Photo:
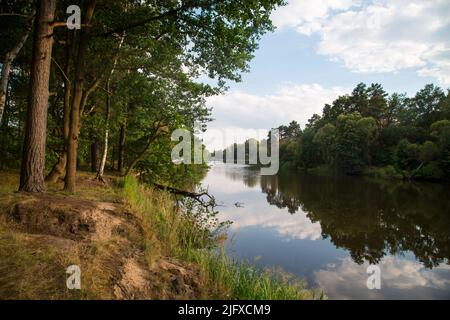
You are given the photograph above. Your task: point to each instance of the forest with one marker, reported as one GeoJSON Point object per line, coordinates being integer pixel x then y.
{"type": "Point", "coordinates": [90, 92]}
{"type": "Point", "coordinates": [374, 133]}
{"type": "Point", "coordinates": [107, 95]}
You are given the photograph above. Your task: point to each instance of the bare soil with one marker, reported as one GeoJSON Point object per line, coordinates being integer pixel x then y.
{"type": "Point", "coordinates": [83, 228]}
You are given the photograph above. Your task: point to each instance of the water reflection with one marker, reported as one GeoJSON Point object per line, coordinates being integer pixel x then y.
{"type": "Point", "coordinates": [370, 218]}
{"type": "Point", "coordinates": [328, 230]}
{"type": "Point", "coordinates": [401, 278]}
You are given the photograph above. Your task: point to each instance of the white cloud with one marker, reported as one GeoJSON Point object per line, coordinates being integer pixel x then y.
{"type": "Point", "coordinates": [297, 226]}
{"type": "Point", "coordinates": [347, 280]}
{"type": "Point", "coordinates": [377, 36]}
{"type": "Point", "coordinates": [307, 16]}
{"type": "Point", "coordinates": [240, 115]}
{"type": "Point", "coordinates": [226, 183]}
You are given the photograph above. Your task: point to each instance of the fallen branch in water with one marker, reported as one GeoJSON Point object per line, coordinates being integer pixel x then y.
{"type": "Point", "coordinates": [193, 195]}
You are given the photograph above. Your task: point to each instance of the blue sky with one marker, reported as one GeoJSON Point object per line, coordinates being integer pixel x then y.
{"type": "Point", "coordinates": [322, 49]}
{"type": "Point", "coordinates": [288, 56]}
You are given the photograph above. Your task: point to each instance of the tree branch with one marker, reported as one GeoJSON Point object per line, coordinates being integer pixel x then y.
{"type": "Point", "coordinates": [171, 12]}
{"type": "Point", "coordinates": [145, 21]}
{"type": "Point", "coordinates": [61, 70]}
{"type": "Point", "coordinates": [193, 195]}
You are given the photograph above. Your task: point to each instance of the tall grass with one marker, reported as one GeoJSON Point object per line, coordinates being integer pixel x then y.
{"type": "Point", "coordinates": [232, 279]}
{"type": "Point", "coordinates": [163, 221]}
{"type": "Point", "coordinates": [186, 235]}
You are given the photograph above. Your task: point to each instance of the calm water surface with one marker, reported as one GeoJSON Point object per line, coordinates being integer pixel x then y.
{"type": "Point", "coordinates": [329, 230]}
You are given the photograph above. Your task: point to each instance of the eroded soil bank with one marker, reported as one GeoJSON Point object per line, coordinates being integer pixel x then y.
{"type": "Point", "coordinates": [41, 235]}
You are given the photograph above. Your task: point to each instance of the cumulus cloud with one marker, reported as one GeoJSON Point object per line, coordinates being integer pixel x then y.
{"type": "Point", "coordinates": [307, 16]}
{"type": "Point", "coordinates": [347, 280]}
{"type": "Point", "coordinates": [287, 226]}
{"type": "Point", "coordinates": [229, 190]}
{"type": "Point", "coordinates": [240, 115]}
{"type": "Point", "coordinates": [377, 36]}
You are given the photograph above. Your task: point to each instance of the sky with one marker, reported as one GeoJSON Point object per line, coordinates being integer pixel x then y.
{"type": "Point", "coordinates": [322, 49]}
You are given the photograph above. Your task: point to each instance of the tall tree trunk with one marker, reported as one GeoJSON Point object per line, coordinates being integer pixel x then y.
{"type": "Point", "coordinates": [122, 137]}
{"type": "Point", "coordinates": [4, 130]}
{"type": "Point", "coordinates": [59, 168]}
{"type": "Point", "coordinates": [101, 169]}
{"type": "Point", "coordinates": [94, 156]}
{"type": "Point", "coordinates": [6, 68]}
{"type": "Point", "coordinates": [33, 156]}
{"type": "Point", "coordinates": [72, 141]}
{"type": "Point", "coordinates": [113, 158]}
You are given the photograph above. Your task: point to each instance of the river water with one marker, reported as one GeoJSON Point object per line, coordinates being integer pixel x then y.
{"type": "Point", "coordinates": [328, 230]}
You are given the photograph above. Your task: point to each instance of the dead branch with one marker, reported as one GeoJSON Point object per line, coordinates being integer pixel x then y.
{"type": "Point", "coordinates": [193, 195]}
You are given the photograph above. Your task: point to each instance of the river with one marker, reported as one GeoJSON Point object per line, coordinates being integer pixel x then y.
{"type": "Point", "coordinates": [328, 230]}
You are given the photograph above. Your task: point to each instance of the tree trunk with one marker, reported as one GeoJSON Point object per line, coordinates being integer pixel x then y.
{"type": "Point", "coordinates": [113, 159]}
{"type": "Point", "coordinates": [4, 141]}
{"type": "Point", "coordinates": [33, 157]}
{"type": "Point", "coordinates": [122, 137]}
{"type": "Point", "coordinates": [6, 67]}
{"type": "Point", "coordinates": [72, 141]}
{"type": "Point", "coordinates": [94, 156]}
{"type": "Point", "coordinates": [59, 168]}
{"type": "Point", "coordinates": [101, 169]}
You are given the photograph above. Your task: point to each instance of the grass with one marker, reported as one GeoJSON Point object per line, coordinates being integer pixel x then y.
{"type": "Point", "coordinates": [180, 235]}
{"type": "Point", "coordinates": [33, 267]}
{"type": "Point", "coordinates": [230, 279]}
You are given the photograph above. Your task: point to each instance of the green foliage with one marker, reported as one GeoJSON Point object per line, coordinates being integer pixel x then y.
{"type": "Point", "coordinates": [388, 172]}
{"type": "Point", "coordinates": [293, 130]}
{"type": "Point", "coordinates": [243, 281]}
{"type": "Point", "coordinates": [325, 139]}
{"type": "Point", "coordinates": [288, 151]}
{"type": "Point", "coordinates": [308, 151]}
{"type": "Point", "coordinates": [167, 48]}
{"type": "Point", "coordinates": [370, 132]}
{"type": "Point", "coordinates": [353, 137]}
{"type": "Point", "coordinates": [440, 128]}
{"type": "Point", "coordinates": [431, 171]}
{"type": "Point", "coordinates": [428, 152]}
{"type": "Point", "coordinates": [407, 155]}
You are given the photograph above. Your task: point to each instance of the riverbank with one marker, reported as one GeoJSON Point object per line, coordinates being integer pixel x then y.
{"type": "Point", "coordinates": [129, 242]}
{"type": "Point", "coordinates": [425, 173]}
{"type": "Point", "coordinates": [329, 229]}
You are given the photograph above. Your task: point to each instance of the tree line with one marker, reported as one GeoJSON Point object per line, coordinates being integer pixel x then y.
{"type": "Point", "coordinates": [108, 95]}
{"type": "Point", "coordinates": [372, 132]}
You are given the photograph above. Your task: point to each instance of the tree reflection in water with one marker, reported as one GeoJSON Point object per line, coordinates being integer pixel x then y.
{"type": "Point", "coordinates": [368, 218]}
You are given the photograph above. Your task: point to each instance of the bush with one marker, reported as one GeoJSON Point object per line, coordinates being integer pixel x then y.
{"type": "Point", "coordinates": [431, 171]}
{"type": "Point", "coordinates": [388, 172]}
